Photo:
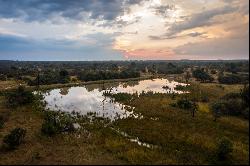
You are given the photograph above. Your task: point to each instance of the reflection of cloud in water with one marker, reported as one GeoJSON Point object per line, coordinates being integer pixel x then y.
{"type": "Point", "coordinates": [84, 100]}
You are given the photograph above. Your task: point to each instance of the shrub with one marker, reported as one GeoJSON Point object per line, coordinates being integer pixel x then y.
{"type": "Point", "coordinates": [217, 109]}
{"type": "Point", "coordinates": [15, 138]}
{"type": "Point", "coordinates": [1, 121]}
{"type": "Point", "coordinates": [182, 88]}
{"type": "Point", "coordinates": [245, 95]}
{"type": "Point", "coordinates": [245, 113]}
{"type": "Point", "coordinates": [20, 97]}
{"type": "Point", "coordinates": [50, 126]}
{"type": "Point", "coordinates": [3, 77]}
{"type": "Point", "coordinates": [204, 98]}
{"type": "Point", "coordinates": [55, 123]}
{"type": "Point", "coordinates": [186, 105]}
{"type": "Point", "coordinates": [233, 79]}
{"type": "Point", "coordinates": [224, 148]}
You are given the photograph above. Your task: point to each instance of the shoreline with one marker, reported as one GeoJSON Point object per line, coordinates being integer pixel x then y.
{"type": "Point", "coordinates": [52, 86]}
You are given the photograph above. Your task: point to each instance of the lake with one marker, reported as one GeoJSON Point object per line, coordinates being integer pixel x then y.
{"type": "Point", "coordinates": [89, 99]}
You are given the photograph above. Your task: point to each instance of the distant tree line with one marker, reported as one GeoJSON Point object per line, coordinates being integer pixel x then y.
{"type": "Point", "coordinates": [91, 75]}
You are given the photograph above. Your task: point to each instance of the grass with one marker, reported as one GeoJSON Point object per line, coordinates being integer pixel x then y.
{"type": "Point", "coordinates": [10, 84]}
{"type": "Point", "coordinates": [178, 138]}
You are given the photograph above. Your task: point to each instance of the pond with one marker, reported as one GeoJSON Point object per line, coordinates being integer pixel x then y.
{"type": "Point", "coordinates": [90, 99]}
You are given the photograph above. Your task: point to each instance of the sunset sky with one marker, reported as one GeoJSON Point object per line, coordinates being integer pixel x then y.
{"type": "Point", "coordinates": [124, 29]}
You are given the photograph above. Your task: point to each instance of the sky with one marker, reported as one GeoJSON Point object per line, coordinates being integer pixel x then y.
{"type": "Point", "coordinates": [124, 29]}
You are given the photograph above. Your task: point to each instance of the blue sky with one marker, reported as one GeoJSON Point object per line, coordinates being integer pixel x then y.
{"type": "Point", "coordinates": [123, 29]}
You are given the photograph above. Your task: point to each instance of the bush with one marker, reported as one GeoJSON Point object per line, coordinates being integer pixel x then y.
{"type": "Point", "coordinates": [224, 148]}
{"type": "Point", "coordinates": [245, 113]}
{"type": "Point", "coordinates": [1, 121]}
{"type": "Point", "coordinates": [202, 76]}
{"type": "Point", "coordinates": [217, 109]}
{"type": "Point", "coordinates": [186, 105]}
{"type": "Point", "coordinates": [182, 88]}
{"type": "Point", "coordinates": [55, 123]}
{"type": "Point", "coordinates": [50, 126]}
{"type": "Point", "coordinates": [3, 77]}
{"type": "Point", "coordinates": [15, 138]}
{"type": "Point", "coordinates": [231, 107]}
{"type": "Point", "coordinates": [245, 95]}
{"type": "Point", "coordinates": [233, 79]}
{"type": "Point", "coordinates": [20, 97]}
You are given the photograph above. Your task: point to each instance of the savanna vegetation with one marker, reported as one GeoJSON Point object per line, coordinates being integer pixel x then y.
{"type": "Point", "coordinates": [208, 125]}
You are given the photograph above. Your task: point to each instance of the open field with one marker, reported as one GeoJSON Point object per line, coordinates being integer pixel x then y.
{"type": "Point", "coordinates": [174, 136]}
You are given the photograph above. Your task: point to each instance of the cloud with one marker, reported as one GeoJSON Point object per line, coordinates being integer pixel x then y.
{"type": "Point", "coordinates": [23, 48]}
{"type": "Point", "coordinates": [163, 10]}
{"type": "Point", "coordinates": [146, 54]}
{"type": "Point", "coordinates": [41, 10]}
{"type": "Point", "coordinates": [223, 48]}
{"type": "Point", "coordinates": [164, 37]}
{"type": "Point", "coordinates": [199, 20]}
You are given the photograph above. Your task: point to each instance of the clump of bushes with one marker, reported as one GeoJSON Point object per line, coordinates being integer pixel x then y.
{"type": "Point", "coordinates": [15, 138]}
{"type": "Point", "coordinates": [182, 87]}
{"type": "Point", "coordinates": [233, 104]}
{"type": "Point", "coordinates": [19, 97]}
{"type": "Point", "coordinates": [224, 148]}
{"type": "Point", "coordinates": [55, 123]}
{"type": "Point", "coordinates": [233, 79]}
{"type": "Point", "coordinates": [186, 105]}
{"type": "Point", "coordinates": [202, 76]}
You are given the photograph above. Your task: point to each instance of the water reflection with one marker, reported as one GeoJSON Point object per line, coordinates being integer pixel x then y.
{"type": "Point", "coordinates": [90, 98]}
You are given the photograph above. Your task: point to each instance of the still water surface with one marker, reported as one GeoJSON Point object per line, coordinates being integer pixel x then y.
{"type": "Point", "coordinates": [90, 98]}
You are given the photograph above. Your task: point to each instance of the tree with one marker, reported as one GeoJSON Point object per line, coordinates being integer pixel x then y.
{"type": "Point", "coordinates": [202, 76]}
{"type": "Point", "coordinates": [20, 97]}
{"type": "Point", "coordinates": [187, 76]}
{"type": "Point", "coordinates": [64, 76]}
{"type": "Point", "coordinates": [217, 109]}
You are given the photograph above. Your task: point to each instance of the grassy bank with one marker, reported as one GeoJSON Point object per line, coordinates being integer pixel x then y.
{"type": "Point", "coordinates": [15, 84]}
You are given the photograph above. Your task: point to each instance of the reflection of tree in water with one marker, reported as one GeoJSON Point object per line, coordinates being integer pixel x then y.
{"type": "Point", "coordinates": [102, 86]}
{"type": "Point", "coordinates": [91, 87]}
{"type": "Point", "coordinates": [64, 91]}
{"type": "Point", "coordinates": [130, 83]}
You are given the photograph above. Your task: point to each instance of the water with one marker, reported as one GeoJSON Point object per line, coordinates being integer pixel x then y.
{"type": "Point", "coordinates": [90, 98]}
